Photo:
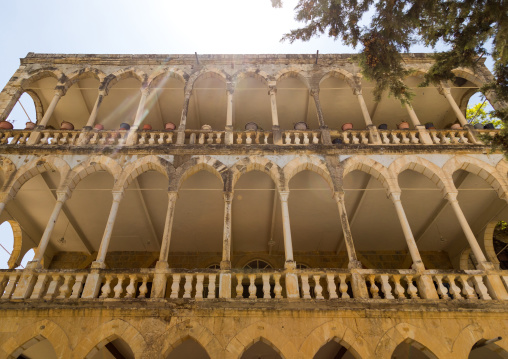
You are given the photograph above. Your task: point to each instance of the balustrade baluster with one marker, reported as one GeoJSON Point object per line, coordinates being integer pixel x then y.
{"type": "Point", "coordinates": [315, 138]}
{"type": "Point", "coordinates": [305, 286]}
{"type": "Point", "coordinates": [211, 286]}
{"type": "Point", "coordinates": [4, 279]}
{"type": "Point", "coordinates": [199, 286]}
{"type": "Point", "coordinates": [106, 288]}
{"type": "Point", "coordinates": [444, 139]}
{"type": "Point", "coordinates": [65, 289]}
{"type": "Point", "coordinates": [414, 137]}
{"type": "Point", "coordinates": [175, 286]}
{"type": "Point", "coordinates": [188, 286]}
{"type": "Point", "coordinates": [218, 138]}
{"type": "Point", "coordinates": [398, 288]}
{"type": "Point", "coordinates": [77, 288]}
{"type": "Point", "coordinates": [15, 138]}
{"type": "Point", "coordinates": [343, 286]}
{"type": "Point", "coordinates": [248, 139]}
{"type": "Point", "coordinates": [434, 137]}
{"type": "Point", "coordinates": [481, 289]}
{"type": "Point", "coordinates": [119, 286]}
{"type": "Point", "coordinates": [143, 289]}
{"type": "Point", "coordinates": [131, 288]}
{"type": "Point", "coordinates": [453, 138]}
{"type": "Point", "coordinates": [297, 138]}
{"type": "Point", "coordinates": [239, 287]}
{"type": "Point", "coordinates": [404, 138]}
{"type": "Point", "coordinates": [192, 139]}
{"type": "Point", "coordinates": [463, 139]}
{"type": "Point", "coordinates": [266, 285]}
{"type": "Point", "coordinates": [345, 137]}
{"type": "Point", "coordinates": [239, 138]}
{"type": "Point", "coordinates": [395, 137]}
{"type": "Point", "coordinates": [374, 290]}
{"type": "Point", "coordinates": [331, 287]}
{"type": "Point", "coordinates": [252, 286]}
{"type": "Point", "coordinates": [5, 137]}
{"type": "Point", "coordinates": [318, 289]}
{"type": "Point", "coordinates": [386, 287]}
{"type": "Point", "coordinates": [152, 138]}
{"type": "Point", "coordinates": [287, 140]}
{"type": "Point", "coordinates": [169, 138]}
{"type": "Point", "coordinates": [442, 291]}
{"type": "Point", "coordinates": [467, 291]}
{"type": "Point", "coordinates": [53, 287]}
{"type": "Point", "coordinates": [11, 285]}
{"type": "Point", "coordinates": [65, 138]}
{"type": "Point", "coordinates": [201, 140]}
{"type": "Point", "coordinates": [384, 138]}
{"type": "Point", "coordinates": [354, 137]}
{"type": "Point", "coordinates": [454, 289]}
{"type": "Point", "coordinates": [365, 138]}
{"type": "Point", "coordinates": [209, 140]}
{"type": "Point", "coordinates": [22, 139]}
{"type": "Point", "coordinates": [44, 139]}
{"type": "Point", "coordinates": [305, 138]}
{"type": "Point", "coordinates": [411, 289]}
{"type": "Point", "coordinates": [266, 138]}
{"type": "Point", "coordinates": [94, 139]}
{"type": "Point", "coordinates": [40, 286]}
{"type": "Point", "coordinates": [161, 137]}
{"type": "Point", "coordinates": [278, 288]}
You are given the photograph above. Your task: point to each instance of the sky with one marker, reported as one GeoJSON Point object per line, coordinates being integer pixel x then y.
{"type": "Point", "coordinates": [146, 27]}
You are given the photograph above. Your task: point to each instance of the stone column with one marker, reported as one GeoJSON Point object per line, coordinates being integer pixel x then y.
{"type": "Point", "coordinates": [228, 138]}
{"type": "Point", "coordinates": [93, 115]}
{"type": "Point", "coordinates": [363, 106]}
{"type": "Point", "coordinates": [49, 112]}
{"type": "Point", "coordinates": [273, 103]}
{"type": "Point", "coordinates": [140, 114]}
{"type": "Point", "coordinates": [315, 95]}
{"type": "Point", "coordinates": [348, 238]}
{"type": "Point", "coordinates": [43, 244]}
{"type": "Point", "coordinates": [101, 256]}
{"type": "Point", "coordinates": [408, 234]}
{"type": "Point", "coordinates": [445, 91]}
{"type": "Point", "coordinates": [412, 115]}
{"type": "Point", "coordinates": [183, 119]}
{"type": "Point", "coordinates": [226, 238]}
{"type": "Point", "coordinates": [473, 243]}
{"type": "Point", "coordinates": [288, 244]}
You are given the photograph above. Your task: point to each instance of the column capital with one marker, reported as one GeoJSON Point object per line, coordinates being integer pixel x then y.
{"type": "Point", "coordinates": [314, 92]}
{"type": "Point", "coordinates": [228, 196]}
{"type": "Point", "coordinates": [272, 84]}
{"type": "Point", "coordinates": [63, 195]}
{"type": "Point", "coordinates": [173, 195]}
{"type": "Point", "coordinates": [358, 91]}
{"type": "Point", "coordinates": [339, 196]}
{"type": "Point", "coordinates": [145, 91]}
{"type": "Point", "coordinates": [395, 196]}
{"type": "Point", "coordinates": [230, 87]}
{"type": "Point", "coordinates": [284, 195]}
{"type": "Point", "coordinates": [103, 92]}
{"type": "Point", "coordinates": [272, 90]}
{"type": "Point", "coordinates": [117, 195]}
{"type": "Point", "coordinates": [444, 88]}
{"type": "Point", "coordinates": [60, 91]}
{"type": "Point", "coordinates": [451, 196]}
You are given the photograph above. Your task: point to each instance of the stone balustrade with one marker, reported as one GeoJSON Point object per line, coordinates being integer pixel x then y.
{"type": "Point", "coordinates": [295, 137]}
{"type": "Point", "coordinates": [253, 137]}
{"type": "Point", "coordinates": [313, 284]}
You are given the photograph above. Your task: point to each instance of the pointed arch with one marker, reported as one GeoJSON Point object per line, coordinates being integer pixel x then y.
{"type": "Point", "coordinates": [502, 168]}
{"type": "Point", "coordinates": [423, 166]}
{"type": "Point", "coordinates": [206, 73]}
{"type": "Point", "coordinates": [14, 259]}
{"type": "Point", "coordinates": [36, 167]}
{"type": "Point", "coordinates": [252, 72]}
{"type": "Point", "coordinates": [373, 168]}
{"type": "Point", "coordinates": [488, 243]}
{"type": "Point", "coordinates": [142, 165]}
{"type": "Point", "coordinates": [473, 333]}
{"type": "Point", "coordinates": [199, 163]}
{"type": "Point", "coordinates": [479, 168]}
{"type": "Point", "coordinates": [125, 73]}
{"type": "Point", "coordinates": [257, 163]}
{"type": "Point", "coordinates": [404, 332]}
{"type": "Point", "coordinates": [106, 333]}
{"type": "Point", "coordinates": [341, 74]}
{"type": "Point", "coordinates": [291, 72]}
{"type": "Point", "coordinates": [38, 74]}
{"type": "Point", "coordinates": [469, 75]}
{"type": "Point", "coordinates": [261, 331]}
{"type": "Point", "coordinates": [195, 331]}
{"type": "Point", "coordinates": [172, 72]}
{"type": "Point", "coordinates": [303, 163]}
{"type": "Point", "coordinates": [34, 333]}
{"type": "Point", "coordinates": [91, 165]}
{"type": "Point", "coordinates": [82, 73]}
{"type": "Point", "coordinates": [342, 334]}
{"type": "Point", "coordinates": [39, 111]}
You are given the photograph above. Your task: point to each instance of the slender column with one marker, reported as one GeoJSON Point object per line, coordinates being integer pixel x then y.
{"type": "Point", "coordinates": [273, 102]}
{"type": "Point", "coordinates": [288, 244]}
{"type": "Point", "coordinates": [49, 112]}
{"type": "Point", "coordinates": [101, 256]}
{"type": "Point", "coordinates": [43, 244]}
{"type": "Point", "coordinates": [348, 238]}
{"type": "Point", "coordinates": [145, 92]}
{"type": "Point", "coordinates": [445, 91]}
{"type": "Point", "coordinates": [412, 115]}
{"type": "Point", "coordinates": [363, 106]}
{"type": "Point", "coordinates": [183, 119]}
{"type": "Point", "coordinates": [166, 237]}
{"type": "Point", "coordinates": [473, 243]}
{"type": "Point", "coordinates": [226, 238]}
{"type": "Point", "coordinates": [229, 113]}
{"type": "Point", "coordinates": [315, 95]}
{"type": "Point", "coordinates": [408, 234]}
{"type": "Point", "coordinates": [95, 110]}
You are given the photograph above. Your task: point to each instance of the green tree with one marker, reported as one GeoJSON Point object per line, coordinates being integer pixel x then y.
{"type": "Point", "coordinates": [384, 29]}
{"type": "Point", "coordinates": [477, 114]}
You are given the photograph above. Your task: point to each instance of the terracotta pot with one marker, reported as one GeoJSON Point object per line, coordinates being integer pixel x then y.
{"type": "Point", "coordinates": [170, 126]}
{"type": "Point", "coordinates": [383, 126]}
{"type": "Point", "coordinates": [99, 127]}
{"type": "Point", "coordinates": [66, 126]}
{"type": "Point", "coordinates": [337, 141]}
{"type": "Point", "coordinates": [301, 126]}
{"type": "Point", "coordinates": [5, 125]}
{"type": "Point", "coordinates": [125, 126]}
{"type": "Point", "coordinates": [251, 126]}
{"type": "Point", "coordinates": [403, 125]}
{"type": "Point", "coordinates": [30, 125]}
{"type": "Point", "coordinates": [456, 126]}
{"type": "Point", "coordinates": [347, 126]}
{"type": "Point", "coordinates": [206, 128]}
{"type": "Point", "coordinates": [429, 126]}
{"type": "Point", "coordinates": [147, 127]}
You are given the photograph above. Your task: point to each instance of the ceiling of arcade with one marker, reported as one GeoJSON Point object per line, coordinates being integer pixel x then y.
{"type": "Point", "coordinates": [251, 103]}
{"type": "Point", "coordinates": [198, 221]}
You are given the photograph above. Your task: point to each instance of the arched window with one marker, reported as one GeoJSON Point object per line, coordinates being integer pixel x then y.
{"type": "Point", "coordinates": [258, 264]}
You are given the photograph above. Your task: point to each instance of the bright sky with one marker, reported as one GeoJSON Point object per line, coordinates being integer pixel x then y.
{"type": "Point", "coordinates": [146, 27]}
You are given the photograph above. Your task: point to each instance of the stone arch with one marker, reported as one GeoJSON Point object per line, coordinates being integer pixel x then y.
{"type": "Point", "coordinates": [423, 166]}
{"type": "Point", "coordinates": [342, 334]}
{"type": "Point", "coordinates": [14, 259]}
{"type": "Point", "coordinates": [251, 72]}
{"type": "Point", "coordinates": [36, 167]}
{"type": "Point", "coordinates": [479, 168]}
{"type": "Point", "coordinates": [404, 332]}
{"type": "Point", "coordinates": [257, 163]}
{"type": "Point", "coordinates": [199, 163]}
{"type": "Point", "coordinates": [91, 165]}
{"type": "Point", "coordinates": [84, 72]}
{"type": "Point", "coordinates": [141, 165]}
{"type": "Point", "coordinates": [39, 111]}
{"type": "Point", "coordinates": [488, 243]}
{"type": "Point", "coordinates": [40, 74]}
{"type": "Point", "coordinates": [372, 167]}
{"type": "Point", "coordinates": [471, 334]}
{"type": "Point", "coordinates": [464, 259]}
{"type": "Point", "coordinates": [468, 75]}
{"type": "Point", "coordinates": [107, 332]}
{"type": "Point", "coordinates": [36, 332]}
{"type": "Point", "coordinates": [303, 163]}
{"type": "Point", "coordinates": [8, 168]}
{"type": "Point", "coordinates": [342, 75]}
{"type": "Point", "coordinates": [291, 72]}
{"type": "Point", "coordinates": [261, 331]}
{"type": "Point", "coordinates": [502, 168]}
{"type": "Point", "coordinates": [125, 73]}
{"type": "Point", "coordinates": [195, 331]}
{"type": "Point", "coordinates": [206, 73]}
{"type": "Point", "coordinates": [167, 71]}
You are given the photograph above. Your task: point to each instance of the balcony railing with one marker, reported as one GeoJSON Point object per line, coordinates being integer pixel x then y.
{"type": "Point", "coordinates": [308, 284]}
{"type": "Point", "coordinates": [202, 137]}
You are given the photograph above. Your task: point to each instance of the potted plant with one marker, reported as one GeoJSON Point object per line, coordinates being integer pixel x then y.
{"type": "Point", "coordinates": [6, 125]}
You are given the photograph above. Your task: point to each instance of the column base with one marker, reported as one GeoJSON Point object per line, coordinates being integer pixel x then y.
{"type": "Point", "coordinates": [425, 138]}
{"type": "Point", "coordinates": [225, 265]}
{"type": "Point", "coordinates": [161, 265]}
{"type": "Point", "coordinates": [25, 285]}
{"type": "Point", "coordinates": [98, 265]}
{"type": "Point", "coordinates": [373, 135]}
{"type": "Point", "coordinates": [225, 285]}
{"type": "Point", "coordinates": [35, 136]}
{"type": "Point", "coordinates": [496, 287]}
{"type": "Point", "coordinates": [290, 265]}
{"type": "Point", "coordinates": [277, 136]}
{"type": "Point", "coordinates": [418, 266]}
{"type": "Point", "coordinates": [292, 289]}
{"type": "Point", "coordinates": [486, 266]}
{"type": "Point", "coordinates": [34, 265]}
{"type": "Point", "coordinates": [354, 265]}
{"type": "Point", "coordinates": [426, 287]}
{"type": "Point", "coordinates": [358, 285]}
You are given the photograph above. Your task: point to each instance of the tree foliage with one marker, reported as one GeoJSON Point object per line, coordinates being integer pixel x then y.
{"type": "Point", "coordinates": [386, 28]}
{"type": "Point", "coordinates": [477, 114]}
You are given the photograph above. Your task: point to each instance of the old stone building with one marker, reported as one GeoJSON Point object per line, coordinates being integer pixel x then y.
{"type": "Point", "coordinates": [284, 215]}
